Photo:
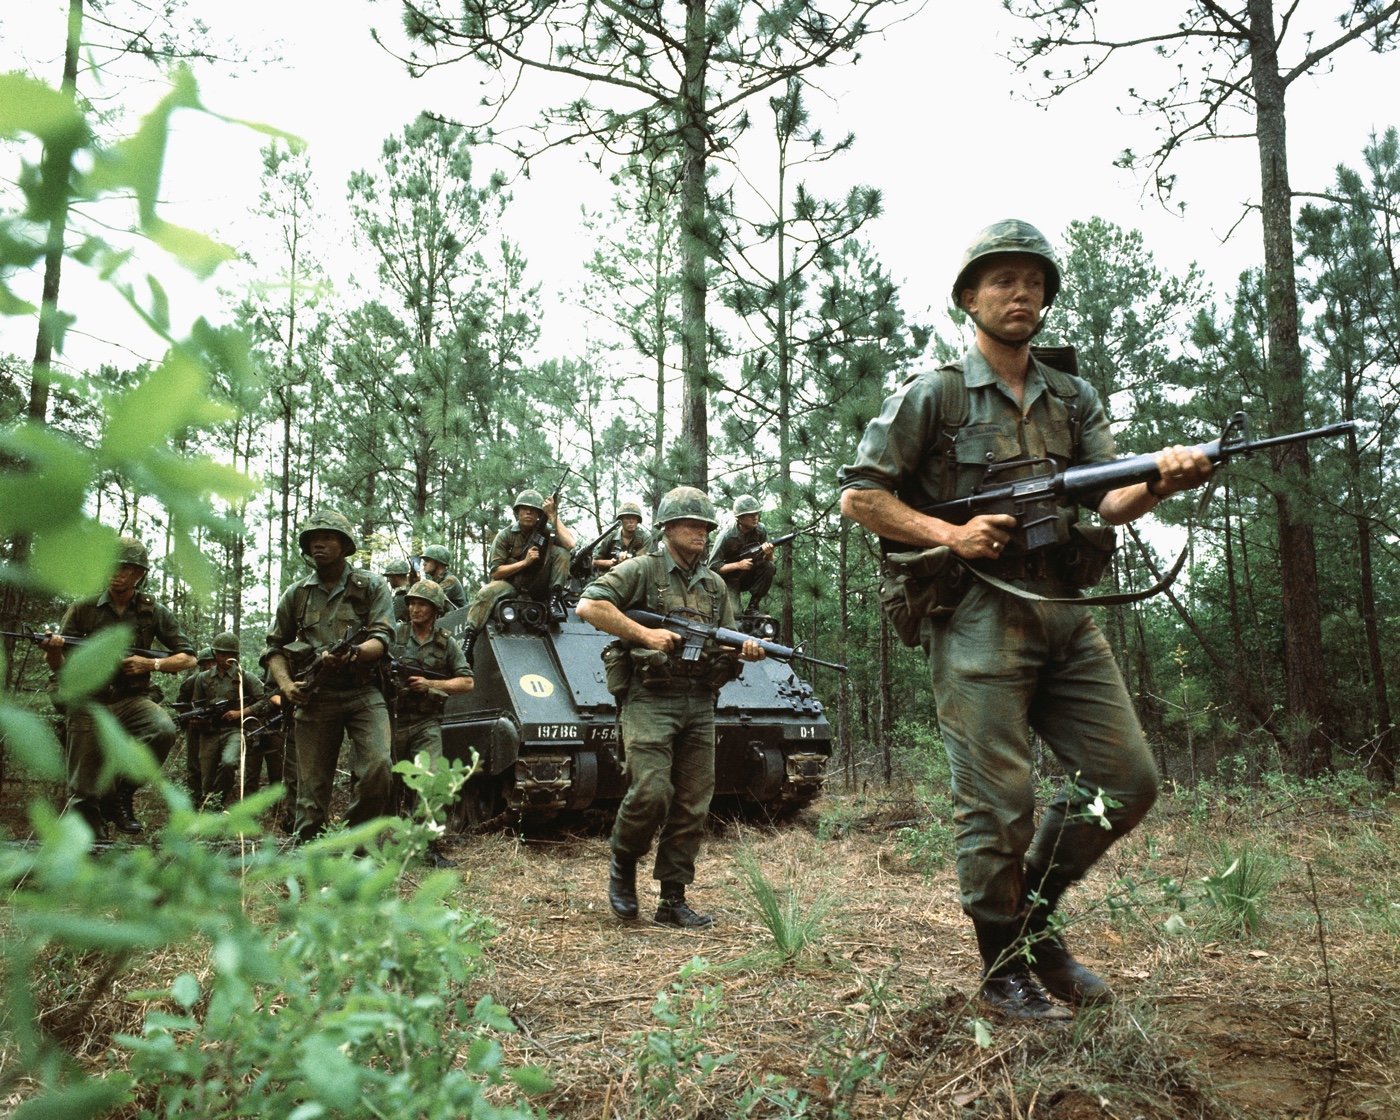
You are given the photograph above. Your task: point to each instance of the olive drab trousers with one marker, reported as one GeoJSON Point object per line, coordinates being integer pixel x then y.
{"type": "Point", "coordinates": [1002, 665]}
{"type": "Point", "coordinates": [362, 714]}
{"type": "Point", "coordinates": [669, 739]}
{"type": "Point", "coordinates": [142, 718]}
{"type": "Point", "coordinates": [536, 583]}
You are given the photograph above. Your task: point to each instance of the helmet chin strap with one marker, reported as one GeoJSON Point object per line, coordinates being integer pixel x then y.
{"type": "Point", "coordinates": [1013, 343]}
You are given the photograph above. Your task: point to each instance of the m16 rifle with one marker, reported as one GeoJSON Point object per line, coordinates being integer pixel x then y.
{"type": "Point", "coordinates": [1031, 490]}
{"type": "Point", "coordinates": [581, 564]}
{"type": "Point", "coordinates": [72, 641]}
{"type": "Point", "coordinates": [403, 671]}
{"type": "Point", "coordinates": [754, 551]}
{"type": "Point", "coordinates": [187, 713]}
{"type": "Point", "coordinates": [314, 675]}
{"type": "Point", "coordinates": [695, 634]}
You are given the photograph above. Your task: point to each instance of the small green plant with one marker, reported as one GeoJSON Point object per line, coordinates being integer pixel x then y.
{"type": "Point", "coordinates": [928, 846]}
{"type": "Point", "coordinates": [792, 925]}
{"type": "Point", "coordinates": [1238, 888]}
{"type": "Point", "coordinates": [672, 1061]}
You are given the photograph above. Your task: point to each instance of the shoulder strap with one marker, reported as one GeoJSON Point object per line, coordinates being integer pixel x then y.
{"type": "Point", "coordinates": [952, 415]}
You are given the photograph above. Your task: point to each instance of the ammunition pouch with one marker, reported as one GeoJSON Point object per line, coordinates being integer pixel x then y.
{"type": "Point", "coordinates": [1081, 562]}
{"type": "Point", "coordinates": [617, 668]}
{"type": "Point", "coordinates": [927, 583]}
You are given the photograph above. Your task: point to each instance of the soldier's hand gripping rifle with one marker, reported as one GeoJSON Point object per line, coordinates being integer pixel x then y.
{"type": "Point", "coordinates": [314, 676]}
{"type": "Point", "coordinates": [403, 671]}
{"type": "Point", "coordinates": [754, 551]}
{"type": "Point", "coordinates": [543, 537]}
{"type": "Point", "coordinates": [695, 634]}
{"type": "Point", "coordinates": [72, 641]}
{"type": "Point", "coordinates": [581, 565]}
{"type": "Point", "coordinates": [1031, 490]}
{"type": "Point", "coordinates": [188, 713]}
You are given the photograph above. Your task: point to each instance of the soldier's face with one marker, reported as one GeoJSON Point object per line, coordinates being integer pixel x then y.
{"type": "Point", "coordinates": [748, 522]}
{"type": "Point", "coordinates": [125, 579]}
{"type": "Point", "coordinates": [630, 523]}
{"type": "Point", "coordinates": [687, 537]}
{"type": "Point", "coordinates": [527, 517]}
{"type": "Point", "coordinates": [396, 580]}
{"type": "Point", "coordinates": [421, 612]}
{"type": "Point", "coordinates": [324, 547]}
{"type": "Point", "coordinates": [431, 568]}
{"type": "Point", "coordinates": [1009, 296]}
{"type": "Point", "coordinates": [224, 660]}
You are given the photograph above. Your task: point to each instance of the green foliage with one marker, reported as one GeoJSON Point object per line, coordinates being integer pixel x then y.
{"type": "Point", "coordinates": [793, 925]}
{"type": "Point", "coordinates": [672, 1060]}
{"type": "Point", "coordinates": [1238, 888]}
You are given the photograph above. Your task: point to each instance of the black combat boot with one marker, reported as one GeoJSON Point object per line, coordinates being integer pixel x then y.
{"type": "Point", "coordinates": [469, 637]}
{"type": "Point", "coordinates": [674, 912]}
{"type": "Point", "coordinates": [622, 887]}
{"type": "Point", "coordinates": [1007, 986]}
{"type": "Point", "coordinates": [123, 808]}
{"type": "Point", "coordinates": [558, 612]}
{"type": "Point", "coordinates": [1063, 976]}
{"type": "Point", "coordinates": [436, 859]}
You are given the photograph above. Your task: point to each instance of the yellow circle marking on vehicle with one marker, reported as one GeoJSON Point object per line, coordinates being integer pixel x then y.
{"type": "Point", "coordinates": [537, 685]}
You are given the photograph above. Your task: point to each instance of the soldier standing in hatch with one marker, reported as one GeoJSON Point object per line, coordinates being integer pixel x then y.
{"type": "Point", "coordinates": [222, 738]}
{"type": "Point", "coordinates": [435, 563]}
{"type": "Point", "coordinates": [1001, 662]}
{"type": "Point", "coordinates": [517, 566]}
{"type": "Point", "coordinates": [755, 574]}
{"type": "Point", "coordinates": [126, 695]}
{"type": "Point", "coordinates": [625, 541]}
{"type": "Point", "coordinates": [313, 615]}
{"type": "Point", "coordinates": [420, 643]}
{"type": "Point", "coordinates": [667, 719]}
{"type": "Point", "coordinates": [193, 779]}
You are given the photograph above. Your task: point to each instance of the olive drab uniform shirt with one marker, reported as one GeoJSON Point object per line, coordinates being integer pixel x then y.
{"type": "Point", "coordinates": [309, 619]}
{"type": "Point", "coordinates": [510, 547]}
{"type": "Point", "coordinates": [441, 653]}
{"type": "Point", "coordinates": [150, 622]}
{"type": "Point", "coordinates": [728, 547]}
{"type": "Point", "coordinates": [211, 687]}
{"type": "Point", "coordinates": [910, 452]}
{"type": "Point", "coordinates": [612, 546]}
{"type": "Point", "coordinates": [453, 589]}
{"type": "Point", "coordinates": [658, 583]}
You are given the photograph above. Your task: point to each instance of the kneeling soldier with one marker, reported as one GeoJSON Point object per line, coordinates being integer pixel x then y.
{"type": "Point", "coordinates": [420, 644]}
{"type": "Point", "coordinates": [667, 720]}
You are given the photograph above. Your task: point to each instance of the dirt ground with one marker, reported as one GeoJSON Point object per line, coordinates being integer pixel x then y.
{"type": "Point", "coordinates": [872, 1018]}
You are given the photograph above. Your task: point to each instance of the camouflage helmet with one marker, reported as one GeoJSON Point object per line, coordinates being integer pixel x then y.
{"type": "Point", "coordinates": [629, 509]}
{"type": "Point", "coordinates": [437, 552]}
{"type": "Point", "coordinates": [1008, 236]}
{"type": "Point", "coordinates": [330, 521]}
{"type": "Point", "coordinates": [429, 592]}
{"type": "Point", "coordinates": [206, 654]}
{"type": "Point", "coordinates": [397, 568]}
{"type": "Point", "coordinates": [530, 499]}
{"type": "Point", "coordinates": [131, 551]}
{"type": "Point", "coordinates": [686, 502]}
{"type": "Point", "coordinates": [746, 503]}
{"type": "Point", "coordinates": [227, 642]}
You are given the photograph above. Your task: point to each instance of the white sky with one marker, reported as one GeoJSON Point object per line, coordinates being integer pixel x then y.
{"type": "Point", "coordinates": [940, 128]}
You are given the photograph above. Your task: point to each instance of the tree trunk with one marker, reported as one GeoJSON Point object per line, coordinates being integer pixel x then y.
{"type": "Point", "coordinates": [694, 252]}
{"type": "Point", "coordinates": [1304, 664]}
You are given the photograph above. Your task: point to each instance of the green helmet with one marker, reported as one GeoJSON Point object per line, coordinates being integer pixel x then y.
{"type": "Point", "coordinates": [437, 552]}
{"type": "Point", "coordinates": [206, 654]}
{"type": "Point", "coordinates": [531, 499]}
{"type": "Point", "coordinates": [1009, 236]}
{"type": "Point", "coordinates": [397, 568]}
{"type": "Point", "coordinates": [629, 509]}
{"type": "Point", "coordinates": [746, 503]}
{"type": "Point", "coordinates": [226, 642]}
{"type": "Point", "coordinates": [331, 521]}
{"type": "Point", "coordinates": [430, 592]}
{"type": "Point", "coordinates": [132, 551]}
{"type": "Point", "coordinates": [686, 502]}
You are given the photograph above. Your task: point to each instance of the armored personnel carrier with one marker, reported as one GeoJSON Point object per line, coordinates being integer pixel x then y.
{"type": "Point", "coordinates": [544, 724]}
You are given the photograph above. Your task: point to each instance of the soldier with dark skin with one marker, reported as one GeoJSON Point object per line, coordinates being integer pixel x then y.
{"type": "Point", "coordinates": [667, 718]}
{"type": "Point", "coordinates": [1004, 663]}
{"type": "Point", "coordinates": [628, 539]}
{"type": "Point", "coordinates": [754, 574]}
{"type": "Point", "coordinates": [127, 695]}
{"type": "Point", "coordinates": [312, 616]}
{"type": "Point", "coordinates": [517, 566]}
{"type": "Point", "coordinates": [419, 703]}
{"type": "Point", "coordinates": [221, 740]}
{"type": "Point", "coordinates": [436, 560]}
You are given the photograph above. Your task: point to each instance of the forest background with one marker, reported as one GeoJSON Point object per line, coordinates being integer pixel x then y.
{"type": "Point", "coordinates": [764, 254]}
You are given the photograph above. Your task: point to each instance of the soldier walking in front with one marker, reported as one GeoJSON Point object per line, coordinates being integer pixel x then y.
{"type": "Point", "coordinates": [315, 614]}
{"type": "Point", "coordinates": [667, 718]}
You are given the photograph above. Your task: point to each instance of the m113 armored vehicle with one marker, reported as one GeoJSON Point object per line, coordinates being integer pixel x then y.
{"type": "Point", "coordinates": [545, 726]}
